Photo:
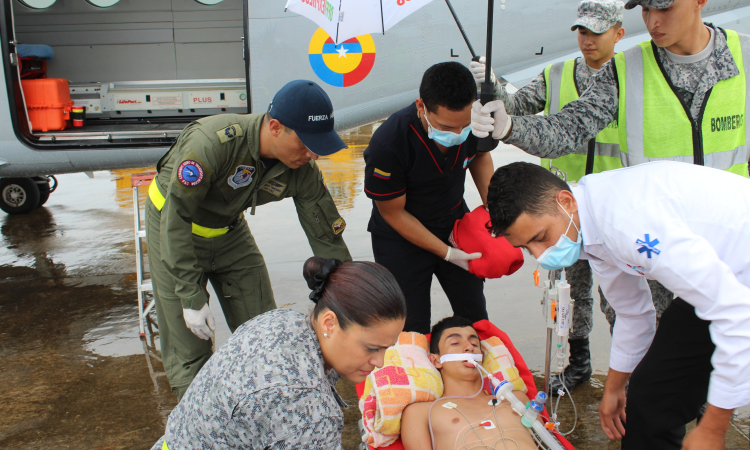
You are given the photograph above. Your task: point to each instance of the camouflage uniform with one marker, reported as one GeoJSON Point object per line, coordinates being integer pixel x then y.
{"type": "Point", "coordinates": [559, 134]}
{"type": "Point", "coordinates": [532, 98]}
{"type": "Point", "coordinates": [267, 387]}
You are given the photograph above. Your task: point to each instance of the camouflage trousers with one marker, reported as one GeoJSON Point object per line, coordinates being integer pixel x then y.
{"type": "Point", "coordinates": [581, 282]}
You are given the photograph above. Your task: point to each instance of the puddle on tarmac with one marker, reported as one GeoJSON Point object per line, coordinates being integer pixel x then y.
{"type": "Point", "coordinates": [75, 373]}
{"type": "Point", "coordinates": [117, 335]}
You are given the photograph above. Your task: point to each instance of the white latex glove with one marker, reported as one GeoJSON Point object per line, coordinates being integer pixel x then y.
{"type": "Point", "coordinates": [460, 257]}
{"type": "Point", "coordinates": [200, 322]}
{"type": "Point", "coordinates": [482, 122]}
{"type": "Point", "coordinates": [478, 69]}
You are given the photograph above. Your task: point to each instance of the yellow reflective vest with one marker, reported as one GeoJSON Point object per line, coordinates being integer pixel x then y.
{"type": "Point", "coordinates": [601, 153]}
{"type": "Point", "coordinates": [655, 124]}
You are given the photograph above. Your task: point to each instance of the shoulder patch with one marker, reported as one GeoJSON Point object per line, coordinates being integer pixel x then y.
{"type": "Point", "coordinates": [338, 226]}
{"type": "Point", "coordinates": [226, 134]}
{"type": "Point", "coordinates": [190, 173]}
{"type": "Point", "coordinates": [382, 174]}
{"type": "Point", "coordinates": [243, 176]}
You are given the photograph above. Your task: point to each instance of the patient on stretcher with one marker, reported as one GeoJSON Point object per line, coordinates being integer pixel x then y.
{"type": "Point", "coordinates": [462, 423]}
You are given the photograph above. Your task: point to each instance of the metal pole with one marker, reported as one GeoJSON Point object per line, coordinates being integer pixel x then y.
{"type": "Point", "coordinates": [338, 24]}
{"type": "Point", "coordinates": [547, 361]}
{"type": "Point", "coordinates": [460, 28]}
{"type": "Point", "coordinates": [490, 20]}
{"type": "Point", "coordinates": [382, 21]}
{"type": "Point", "coordinates": [487, 93]}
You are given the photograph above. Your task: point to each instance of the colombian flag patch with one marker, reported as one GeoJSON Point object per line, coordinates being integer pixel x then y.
{"type": "Point", "coordinates": [381, 174]}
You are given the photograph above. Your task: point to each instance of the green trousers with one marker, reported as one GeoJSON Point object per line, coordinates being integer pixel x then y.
{"type": "Point", "coordinates": [237, 271]}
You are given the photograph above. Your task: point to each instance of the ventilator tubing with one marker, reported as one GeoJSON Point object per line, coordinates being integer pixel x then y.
{"type": "Point", "coordinates": [533, 409]}
{"type": "Point", "coordinates": [468, 357]}
{"type": "Point", "coordinates": [504, 391]}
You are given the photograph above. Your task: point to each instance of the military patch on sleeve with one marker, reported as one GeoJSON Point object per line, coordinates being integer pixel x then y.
{"type": "Point", "coordinates": [274, 187]}
{"type": "Point", "coordinates": [190, 173]}
{"type": "Point", "coordinates": [243, 176]}
{"type": "Point", "coordinates": [339, 226]}
{"type": "Point", "coordinates": [228, 133]}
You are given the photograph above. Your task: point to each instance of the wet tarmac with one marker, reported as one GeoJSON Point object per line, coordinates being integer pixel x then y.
{"type": "Point", "coordinates": [75, 373]}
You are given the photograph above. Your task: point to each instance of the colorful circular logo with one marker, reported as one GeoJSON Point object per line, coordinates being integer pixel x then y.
{"type": "Point", "coordinates": [341, 65]}
{"type": "Point", "coordinates": [190, 173]}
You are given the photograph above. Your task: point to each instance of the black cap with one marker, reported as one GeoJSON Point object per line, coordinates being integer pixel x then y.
{"type": "Point", "coordinates": [304, 107]}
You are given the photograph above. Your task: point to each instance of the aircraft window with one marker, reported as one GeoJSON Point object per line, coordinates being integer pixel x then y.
{"type": "Point", "coordinates": [103, 3]}
{"type": "Point", "coordinates": [38, 4]}
{"type": "Point", "coordinates": [209, 2]}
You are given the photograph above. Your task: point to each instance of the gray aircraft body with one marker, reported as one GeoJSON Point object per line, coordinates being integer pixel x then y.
{"type": "Point", "coordinates": [143, 69]}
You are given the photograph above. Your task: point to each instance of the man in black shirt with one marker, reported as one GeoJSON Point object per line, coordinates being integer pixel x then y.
{"type": "Point", "coordinates": [415, 172]}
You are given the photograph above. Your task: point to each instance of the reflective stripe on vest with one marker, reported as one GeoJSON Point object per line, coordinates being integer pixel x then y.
{"type": "Point", "coordinates": [158, 200]}
{"type": "Point", "coordinates": [654, 124]}
{"type": "Point", "coordinates": [561, 90]}
{"type": "Point", "coordinates": [164, 445]}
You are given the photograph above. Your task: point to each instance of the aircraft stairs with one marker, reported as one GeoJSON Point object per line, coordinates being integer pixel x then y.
{"type": "Point", "coordinates": [145, 288]}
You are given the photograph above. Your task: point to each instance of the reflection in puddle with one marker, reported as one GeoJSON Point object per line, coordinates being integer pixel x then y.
{"type": "Point", "coordinates": [124, 190]}
{"type": "Point", "coordinates": [344, 175]}
{"type": "Point", "coordinates": [117, 334]}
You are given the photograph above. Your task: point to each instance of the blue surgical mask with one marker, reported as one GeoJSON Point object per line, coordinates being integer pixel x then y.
{"type": "Point", "coordinates": [446, 138]}
{"type": "Point", "coordinates": [565, 252]}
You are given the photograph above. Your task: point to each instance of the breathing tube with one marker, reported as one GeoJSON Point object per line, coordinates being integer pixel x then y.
{"type": "Point", "coordinates": [502, 390]}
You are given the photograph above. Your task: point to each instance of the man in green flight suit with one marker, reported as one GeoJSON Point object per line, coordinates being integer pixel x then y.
{"type": "Point", "coordinates": [196, 230]}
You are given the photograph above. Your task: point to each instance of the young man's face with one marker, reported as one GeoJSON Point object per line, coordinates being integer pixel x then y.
{"type": "Point", "coordinates": [670, 25]}
{"type": "Point", "coordinates": [445, 119]}
{"type": "Point", "coordinates": [458, 340]}
{"type": "Point", "coordinates": [598, 48]}
{"type": "Point", "coordinates": [538, 233]}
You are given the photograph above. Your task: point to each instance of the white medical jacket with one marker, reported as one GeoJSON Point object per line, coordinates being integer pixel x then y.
{"type": "Point", "coordinates": [687, 227]}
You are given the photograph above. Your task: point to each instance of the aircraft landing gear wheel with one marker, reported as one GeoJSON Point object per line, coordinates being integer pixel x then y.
{"type": "Point", "coordinates": [45, 189]}
{"type": "Point", "coordinates": [18, 195]}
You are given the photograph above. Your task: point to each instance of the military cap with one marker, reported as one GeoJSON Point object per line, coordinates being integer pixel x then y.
{"type": "Point", "coordinates": [657, 4]}
{"type": "Point", "coordinates": [598, 15]}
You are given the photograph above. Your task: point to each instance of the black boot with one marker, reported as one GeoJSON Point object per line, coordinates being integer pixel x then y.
{"type": "Point", "coordinates": [579, 369]}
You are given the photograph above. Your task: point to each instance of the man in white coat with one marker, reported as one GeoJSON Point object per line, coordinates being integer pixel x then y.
{"type": "Point", "coordinates": [686, 226]}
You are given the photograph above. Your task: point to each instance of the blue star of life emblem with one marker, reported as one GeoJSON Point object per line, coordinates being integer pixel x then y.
{"type": "Point", "coordinates": [648, 246]}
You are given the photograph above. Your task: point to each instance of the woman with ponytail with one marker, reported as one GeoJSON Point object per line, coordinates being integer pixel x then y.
{"type": "Point", "coordinates": [272, 384]}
